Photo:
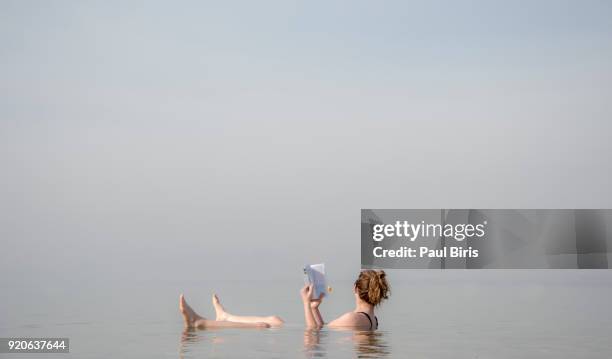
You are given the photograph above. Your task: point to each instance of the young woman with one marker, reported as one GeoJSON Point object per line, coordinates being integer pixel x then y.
{"type": "Point", "coordinates": [370, 289]}
{"type": "Point", "coordinates": [224, 319]}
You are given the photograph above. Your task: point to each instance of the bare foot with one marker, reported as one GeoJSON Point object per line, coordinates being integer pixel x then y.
{"type": "Point", "coordinates": [189, 315]}
{"type": "Point", "coordinates": [219, 310]}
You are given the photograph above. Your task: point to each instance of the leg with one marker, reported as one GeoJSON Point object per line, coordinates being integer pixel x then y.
{"type": "Point", "coordinates": [193, 320]}
{"type": "Point", "coordinates": [223, 315]}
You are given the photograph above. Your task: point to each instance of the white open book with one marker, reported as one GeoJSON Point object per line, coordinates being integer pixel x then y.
{"type": "Point", "coordinates": [315, 274]}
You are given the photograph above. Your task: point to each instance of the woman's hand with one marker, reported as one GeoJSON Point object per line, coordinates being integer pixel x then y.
{"type": "Point", "coordinates": [309, 313]}
{"type": "Point", "coordinates": [314, 303]}
{"type": "Point", "coordinates": [306, 293]}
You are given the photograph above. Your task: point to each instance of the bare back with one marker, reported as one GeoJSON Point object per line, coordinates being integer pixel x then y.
{"type": "Point", "coordinates": [355, 320]}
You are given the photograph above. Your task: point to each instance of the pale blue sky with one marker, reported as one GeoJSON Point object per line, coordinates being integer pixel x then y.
{"type": "Point", "coordinates": [159, 139]}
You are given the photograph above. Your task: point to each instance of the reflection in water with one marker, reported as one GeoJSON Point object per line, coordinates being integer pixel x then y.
{"type": "Point", "coordinates": [191, 336]}
{"type": "Point", "coordinates": [367, 343]}
{"type": "Point", "coordinates": [317, 343]}
{"type": "Point", "coordinates": [312, 343]}
{"type": "Point", "coordinates": [188, 336]}
{"type": "Point", "coordinates": [370, 344]}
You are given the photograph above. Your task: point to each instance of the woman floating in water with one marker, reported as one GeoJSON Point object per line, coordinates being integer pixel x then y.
{"type": "Point", "coordinates": [370, 289]}
{"type": "Point", "coordinates": [224, 319]}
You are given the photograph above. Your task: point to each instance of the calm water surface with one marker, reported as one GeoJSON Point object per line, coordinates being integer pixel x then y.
{"type": "Point", "coordinates": [565, 314]}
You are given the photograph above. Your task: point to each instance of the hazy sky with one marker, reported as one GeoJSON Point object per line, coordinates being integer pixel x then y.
{"type": "Point", "coordinates": [200, 139]}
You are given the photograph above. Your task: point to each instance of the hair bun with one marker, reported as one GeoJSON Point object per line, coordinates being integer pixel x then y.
{"type": "Point", "coordinates": [372, 286]}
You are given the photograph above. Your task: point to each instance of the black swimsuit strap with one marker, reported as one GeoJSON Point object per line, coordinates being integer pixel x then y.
{"type": "Point", "coordinates": [370, 319]}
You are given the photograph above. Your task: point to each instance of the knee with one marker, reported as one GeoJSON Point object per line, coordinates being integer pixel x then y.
{"type": "Point", "coordinates": [276, 320]}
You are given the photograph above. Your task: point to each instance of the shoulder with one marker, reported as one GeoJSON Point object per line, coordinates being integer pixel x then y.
{"type": "Point", "coordinates": [350, 319]}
